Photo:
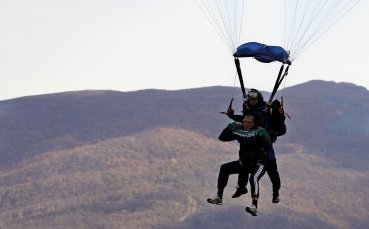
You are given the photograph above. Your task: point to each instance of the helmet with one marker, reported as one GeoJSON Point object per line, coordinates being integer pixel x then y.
{"type": "Point", "coordinates": [254, 94]}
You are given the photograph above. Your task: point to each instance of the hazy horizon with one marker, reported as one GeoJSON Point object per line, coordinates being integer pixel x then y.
{"type": "Point", "coordinates": [240, 93]}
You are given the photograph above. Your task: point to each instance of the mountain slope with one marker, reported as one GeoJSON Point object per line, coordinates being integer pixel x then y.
{"type": "Point", "coordinates": [119, 180]}
{"type": "Point", "coordinates": [332, 119]}
{"type": "Point", "coordinates": [33, 125]}
{"type": "Point", "coordinates": [160, 178]}
{"type": "Point", "coordinates": [327, 118]}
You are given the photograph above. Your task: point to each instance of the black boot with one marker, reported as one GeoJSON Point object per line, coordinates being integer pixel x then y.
{"type": "Point", "coordinates": [239, 192]}
{"type": "Point", "coordinates": [275, 198]}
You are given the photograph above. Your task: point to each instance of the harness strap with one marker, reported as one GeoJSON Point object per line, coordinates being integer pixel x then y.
{"type": "Point", "coordinates": [279, 81]}
{"type": "Point", "coordinates": [239, 73]}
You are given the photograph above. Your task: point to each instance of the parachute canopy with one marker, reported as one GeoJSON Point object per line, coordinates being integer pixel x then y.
{"type": "Point", "coordinates": [305, 21]}
{"type": "Point", "coordinates": [263, 53]}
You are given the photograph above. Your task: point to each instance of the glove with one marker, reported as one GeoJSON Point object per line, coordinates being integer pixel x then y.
{"type": "Point", "coordinates": [230, 112]}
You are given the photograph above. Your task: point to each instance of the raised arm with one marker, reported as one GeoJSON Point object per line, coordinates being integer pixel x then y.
{"type": "Point", "coordinates": [237, 118]}
{"type": "Point", "coordinates": [227, 134]}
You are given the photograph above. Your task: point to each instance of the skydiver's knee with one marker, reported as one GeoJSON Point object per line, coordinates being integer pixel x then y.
{"type": "Point", "coordinates": [272, 165]}
{"type": "Point", "coordinates": [223, 168]}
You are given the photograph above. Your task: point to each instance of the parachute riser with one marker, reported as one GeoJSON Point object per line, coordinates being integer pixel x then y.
{"type": "Point", "coordinates": [278, 81]}
{"type": "Point", "coordinates": [239, 73]}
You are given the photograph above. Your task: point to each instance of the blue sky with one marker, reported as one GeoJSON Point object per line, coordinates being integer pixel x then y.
{"type": "Point", "coordinates": [52, 46]}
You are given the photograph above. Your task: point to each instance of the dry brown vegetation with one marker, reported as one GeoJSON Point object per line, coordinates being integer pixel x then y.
{"type": "Point", "coordinates": [149, 159]}
{"type": "Point", "coordinates": [161, 178]}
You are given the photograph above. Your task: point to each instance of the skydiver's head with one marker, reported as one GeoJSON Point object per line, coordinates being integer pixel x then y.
{"type": "Point", "coordinates": [254, 97]}
{"type": "Point", "coordinates": [248, 122]}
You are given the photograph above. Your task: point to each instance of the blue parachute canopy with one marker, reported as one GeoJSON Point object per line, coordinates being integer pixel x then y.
{"type": "Point", "coordinates": [263, 53]}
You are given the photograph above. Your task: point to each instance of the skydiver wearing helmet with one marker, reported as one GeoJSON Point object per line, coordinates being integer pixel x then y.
{"type": "Point", "coordinates": [255, 105]}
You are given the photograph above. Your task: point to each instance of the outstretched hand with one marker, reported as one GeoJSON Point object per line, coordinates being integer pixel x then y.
{"type": "Point", "coordinates": [230, 111]}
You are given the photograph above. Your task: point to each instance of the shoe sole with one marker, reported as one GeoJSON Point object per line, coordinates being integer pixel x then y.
{"type": "Point", "coordinates": [209, 201]}
{"type": "Point", "coordinates": [251, 212]}
{"type": "Point", "coordinates": [240, 194]}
